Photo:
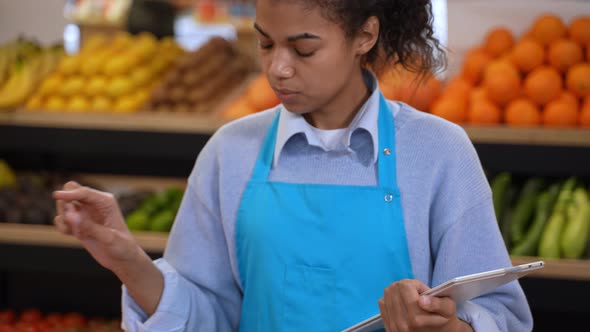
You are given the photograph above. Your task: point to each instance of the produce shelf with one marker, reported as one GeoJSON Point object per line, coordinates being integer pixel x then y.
{"type": "Point", "coordinates": [207, 124]}
{"type": "Point", "coordinates": [570, 269]}
{"type": "Point", "coordinates": [139, 121]}
{"type": "Point", "coordinates": [45, 235]}
{"type": "Point", "coordinates": [529, 136]}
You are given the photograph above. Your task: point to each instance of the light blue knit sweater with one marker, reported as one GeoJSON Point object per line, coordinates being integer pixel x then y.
{"type": "Point", "coordinates": [446, 201]}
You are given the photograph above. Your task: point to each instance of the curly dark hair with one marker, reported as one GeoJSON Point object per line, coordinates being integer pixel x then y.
{"type": "Point", "coordinates": [406, 35]}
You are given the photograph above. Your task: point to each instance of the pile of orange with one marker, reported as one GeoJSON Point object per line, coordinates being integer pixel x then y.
{"type": "Point", "coordinates": [418, 91]}
{"type": "Point", "coordinates": [257, 97]}
{"type": "Point", "coordinates": [539, 79]}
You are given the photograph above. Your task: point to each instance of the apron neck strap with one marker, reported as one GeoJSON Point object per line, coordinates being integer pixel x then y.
{"type": "Point", "coordinates": [386, 159]}
{"type": "Point", "coordinates": [265, 157]}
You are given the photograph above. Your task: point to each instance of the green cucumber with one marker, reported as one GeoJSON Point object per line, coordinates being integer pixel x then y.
{"type": "Point", "coordinates": [499, 186]}
{"type": "Point", "coordinates": [525, 208]}
{"type": "Point", "coordinates": [506, 217]}
{"type": "Point", "coordinates": [544, 205]}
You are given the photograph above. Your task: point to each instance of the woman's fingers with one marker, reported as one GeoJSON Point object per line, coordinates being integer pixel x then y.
{"type": "Point", "coordinates": [74, 192]}
{"type": "Point", "coordinates": [61, 226]}
{"type": "Point", "coordinates": [83, 227]}
{"type": "Point", "coordinates": [442, 306]}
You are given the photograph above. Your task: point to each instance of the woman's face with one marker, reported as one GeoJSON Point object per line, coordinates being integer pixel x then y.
{"type": "Point", "coordinates": [308, 60]}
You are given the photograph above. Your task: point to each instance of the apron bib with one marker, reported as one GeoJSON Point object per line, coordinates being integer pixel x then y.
{"type": "Point", "coordinates": [316, 257]}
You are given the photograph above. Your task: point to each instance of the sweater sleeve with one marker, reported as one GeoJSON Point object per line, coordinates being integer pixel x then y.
{"type": "Point", "coordinates": [200, 291]}
{"type": "Point", "coordinates": [466, 239]}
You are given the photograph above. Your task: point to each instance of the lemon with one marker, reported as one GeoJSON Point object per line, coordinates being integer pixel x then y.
{"type": "Point", "coordinates": [141, 76]}
{"type": "Point", "coordinates": [126, 104]}
{"type": "Point", "coordinates": [78, 104]}
{"type": "Point", "coordinates": [35, 102]}
{"type": "Point", "coordinates": [73, 86]}
{"type": "Point", "coordinates": [69, 65]}
{"type": "Point", "coordinates": [101, 103]}
{"type": "Point", "coordinates": [96, 86]}
{"type": "Point", "coordinates": [119, 86]}
{"type": "Point", "coordinates": [55, 103]}
{"type": "Point", "coordinates": [94, 63]}
{"type": "Point", "coordinates": [51, 85]}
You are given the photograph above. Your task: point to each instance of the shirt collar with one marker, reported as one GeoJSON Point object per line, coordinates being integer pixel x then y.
{"type": "Point", "coordinates": [291, 124]}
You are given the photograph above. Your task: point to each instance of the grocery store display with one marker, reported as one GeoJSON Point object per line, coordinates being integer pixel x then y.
{"type": "Point", "coordinates": [33, 320]}
{"type": "Point", "coordinates": [107, 75]}
{"type": "Point", "coordinates": [539, 79]}
{"type": "Point", "coordinates": [23, 64]}
{"type": "Point", "coordinates": [27, 199]}
{"type": "Point", "coordinates": [543, 217]}
{"type": "Point", "coordinates": [200, 79]}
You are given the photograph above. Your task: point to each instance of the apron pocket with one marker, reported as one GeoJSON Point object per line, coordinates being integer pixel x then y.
{"type": "Point", "coordinates": [309, 299]}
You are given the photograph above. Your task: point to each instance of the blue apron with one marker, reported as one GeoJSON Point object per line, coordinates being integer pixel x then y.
{"type": "Point", "coordinates": [315, 257]}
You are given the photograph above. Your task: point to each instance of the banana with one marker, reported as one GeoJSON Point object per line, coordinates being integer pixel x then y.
{"type": "Point", "coordinates": [19, 86]}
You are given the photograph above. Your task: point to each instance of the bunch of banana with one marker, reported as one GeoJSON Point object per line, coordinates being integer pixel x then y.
{"type": "Point", "coordinates": [22, 66]}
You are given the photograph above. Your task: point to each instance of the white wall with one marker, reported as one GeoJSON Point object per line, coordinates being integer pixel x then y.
{"type": "Point", "coordinates": [41, 19]}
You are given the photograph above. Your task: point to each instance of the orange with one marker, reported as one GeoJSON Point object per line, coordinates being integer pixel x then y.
{"type": "Point", "coordinates": [260, 95]}
{"type": "Point", "coordinates": [502, 84]}
{"type": "Point", "coordinates": [543, 85]}
{"type": "Point", "coordinates": [478, 94]}
{"type": "Point", "coordinates": [420, 94]}
{"type": "Point", "coordinates": [578, 79]}
{"type": "Point", "coordinates": [498, 41]}
{"type": "Point", "coordinates": [237, 109]}
{"type": "Point", "coordinates": [474, 65]}
{"type": "Point", "coordinates": [568, 97]}
{"type": "Point", "coordinates": [579, 30]}
{"type": "Point", "coordinates": [548, 28]}
{"type": "Point", "coordinates": [500, 67]}
{"type": "Point", "coordinates": [559, 113]}
{"type": "Point", "coordinates": [522, 112]}
{"type": "Point", "coordinates": [450, 108]}
{"type": "Point", "coordinates": [564, 53]}
{"type": "Point", "coordinates": [584, 116]}
{"type": "Point", "coordinates": [483, 112]}
{"type": "Point", "coordinates": [527, 55]}
{"type": "Point", "coordinates": [458, 87]}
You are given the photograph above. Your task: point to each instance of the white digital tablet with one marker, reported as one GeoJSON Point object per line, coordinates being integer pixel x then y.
{"type": "Point", "coordinates": [461, 289]}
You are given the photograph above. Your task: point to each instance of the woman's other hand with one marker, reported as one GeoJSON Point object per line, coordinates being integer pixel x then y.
{"type": "Point", "coordinates": [404, 309]}
{"type": "Point", "coordinates": [95, 219]}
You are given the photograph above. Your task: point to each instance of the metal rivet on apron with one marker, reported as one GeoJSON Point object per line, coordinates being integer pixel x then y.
{"type": "Point", "coordinates": [386, 151]}
{"type": "Point", "coordinates": [388, 198]}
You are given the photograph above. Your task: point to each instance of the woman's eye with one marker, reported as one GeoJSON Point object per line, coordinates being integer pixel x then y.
{"type": "Point", "coordinates": [265, 46]}
{"type": "Point", "coordinates": [304, 54]}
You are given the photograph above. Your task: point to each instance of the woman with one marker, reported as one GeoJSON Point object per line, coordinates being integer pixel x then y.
{"type": "Point", "coordinates": [330, 208]}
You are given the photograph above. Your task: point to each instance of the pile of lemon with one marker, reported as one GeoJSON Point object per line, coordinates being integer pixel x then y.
{"type": "Point", "coordinates": [116, 74]}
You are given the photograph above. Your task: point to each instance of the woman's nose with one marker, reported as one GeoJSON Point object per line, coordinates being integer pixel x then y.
{"type": "Point", "coordinates": [281, 66]}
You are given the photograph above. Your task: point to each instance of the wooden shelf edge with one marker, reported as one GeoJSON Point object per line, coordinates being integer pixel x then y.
{"type": "Point", "coordinates": [529, 136]}
{"type": "Point", "coordinates": [45, 235]}
{"type": "Point", "coordinates": [569, 269]}
{"type": "Point", "coordinates": [138, 121]}
{"type": "Point", "coordinates": [208, 124]}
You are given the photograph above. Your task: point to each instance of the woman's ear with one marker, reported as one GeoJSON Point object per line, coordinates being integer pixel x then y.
{"type": "Point", "coordinates": [367, 36]}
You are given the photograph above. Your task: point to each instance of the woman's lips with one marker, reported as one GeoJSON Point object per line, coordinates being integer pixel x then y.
{"type": "Point", "coordinates": [286, 95]}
